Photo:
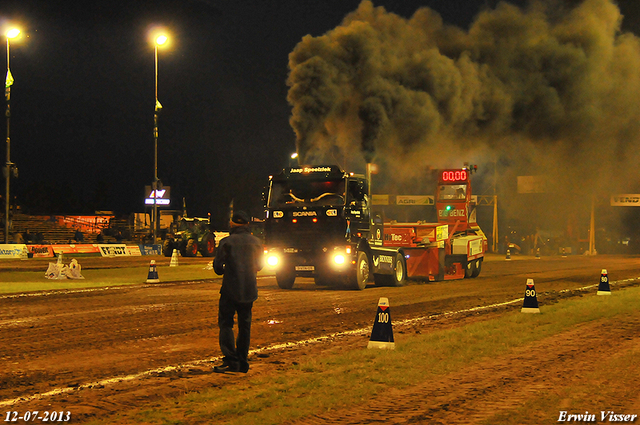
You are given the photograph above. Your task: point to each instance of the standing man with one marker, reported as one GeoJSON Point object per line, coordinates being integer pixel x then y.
{"type": "Point", "coordinates": [239, 258]}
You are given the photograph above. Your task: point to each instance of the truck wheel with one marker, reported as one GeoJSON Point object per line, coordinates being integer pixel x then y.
{"type": "Point", "coordinates": [167, 248]}
{"type": "Point", "coordinates": [469, 268]}
{"type": "Point", "coordinates": [208, 244]}
{"type": "Point", "coordinates": [400, 273]}
{"type": "Point", "coordinates": [286, 278]}
{"type": "Point", "coordinates": [477, 267]}
{"type": "Point", "coordinates": [192, 248]}
{"type": "Point", "coordinates": [361, 276]}
{"type": "Point", "coordinates": [397, 278]}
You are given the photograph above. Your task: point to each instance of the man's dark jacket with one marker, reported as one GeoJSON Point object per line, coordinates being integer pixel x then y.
{"type": "Point", "coordinates": [239, 258]}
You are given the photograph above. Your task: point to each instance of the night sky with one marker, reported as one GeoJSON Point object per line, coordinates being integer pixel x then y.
{"type": "Point", "coordinates": [83, 97]}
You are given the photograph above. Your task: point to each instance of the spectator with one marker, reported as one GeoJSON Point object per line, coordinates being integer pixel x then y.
{"type": "Point", "coordinates": [17, 237]}
{"type": "Point", "coordinates": [100, 237]}
{"type": "Point", "coordinates": [239, 259]}
{"type": "Point", "coordinates": [79, 236]}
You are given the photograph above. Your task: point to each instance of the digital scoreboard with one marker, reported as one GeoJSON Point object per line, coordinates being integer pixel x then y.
{"type": "Point", "coordinates": [454, 176]}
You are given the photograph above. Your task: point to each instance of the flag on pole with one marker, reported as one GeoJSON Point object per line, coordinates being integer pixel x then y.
{"type": "Point", "coordinates": [9, 80]}
{"type": "Point", "coordinates": [158, 105]}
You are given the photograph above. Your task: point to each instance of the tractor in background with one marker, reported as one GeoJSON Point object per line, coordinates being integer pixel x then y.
{"type": "Point", "coordinates": [191, 235]}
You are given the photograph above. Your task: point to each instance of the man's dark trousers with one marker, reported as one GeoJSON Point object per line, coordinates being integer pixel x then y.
{"type": "Point", "coordinates": [235, 352]}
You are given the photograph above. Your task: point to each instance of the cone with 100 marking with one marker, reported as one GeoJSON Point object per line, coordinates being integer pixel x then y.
{"type": "Point", "coordinates": [382, 333]}
{"type": "Point", "coordinates": [530, 304]}
{"type": "Point", "coordinates": [152, 277]}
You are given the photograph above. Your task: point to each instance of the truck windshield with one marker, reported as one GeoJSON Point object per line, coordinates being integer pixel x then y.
{"type": "Point", "coordinates": [452, 191]}
{"type": "Point", "coordinates": [306, 193]}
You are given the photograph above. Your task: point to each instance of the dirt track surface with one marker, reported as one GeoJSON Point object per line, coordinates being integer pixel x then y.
{"type": "Point", "coordinates": [95, 352]}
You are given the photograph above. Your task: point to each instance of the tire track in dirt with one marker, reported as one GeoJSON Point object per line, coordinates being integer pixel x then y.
{"type": "Point", "coordinates": [96, 347]}
{"type": "Point", "coordinates": [475, 393]}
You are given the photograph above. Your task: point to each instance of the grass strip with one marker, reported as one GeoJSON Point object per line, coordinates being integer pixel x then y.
{"type": "Point", "coordinates": [16, 282]}
{"type": "Point", "coordinates": [341, 379]}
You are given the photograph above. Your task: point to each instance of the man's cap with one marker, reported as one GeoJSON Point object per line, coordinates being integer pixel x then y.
{"type": "Point", "coordinates": [240, 217]}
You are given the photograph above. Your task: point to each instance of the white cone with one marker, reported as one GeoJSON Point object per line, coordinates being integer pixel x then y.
{"type": "Point", "coordinates": [174, 259]}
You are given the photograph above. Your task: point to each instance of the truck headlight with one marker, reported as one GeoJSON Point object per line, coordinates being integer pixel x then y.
{"type": "Point", "coordinates": [338, 259]}
{"type": "Point", "coordinates": [272, 260]}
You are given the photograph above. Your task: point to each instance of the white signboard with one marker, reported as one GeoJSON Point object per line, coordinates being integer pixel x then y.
{"type": "Point", "coordinates": [625, 200]}
{"type": "Point", "coordinates": [12, 250]}
{"type": "Point", "coordinates": [113, 250]}
{"type": "Point", "coordinates": [475, 247]}
{"type": "Point", "coordinates": [414, 200]}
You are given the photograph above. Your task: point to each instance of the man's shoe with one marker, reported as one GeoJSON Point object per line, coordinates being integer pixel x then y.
{"type": "Point", "coordinates": [244, 368]}
{"type": "Point", "coordinates": [226, 367]}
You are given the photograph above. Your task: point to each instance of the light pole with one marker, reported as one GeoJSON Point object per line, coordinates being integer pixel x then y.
{"type": "Point", "coordinates": [160, 40]}
{"type": "Point", "coordinates": [12, 33]}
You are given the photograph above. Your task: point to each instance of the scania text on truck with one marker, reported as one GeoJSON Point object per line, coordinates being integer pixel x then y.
{"type": "Point", "coordinates": [318, 224]}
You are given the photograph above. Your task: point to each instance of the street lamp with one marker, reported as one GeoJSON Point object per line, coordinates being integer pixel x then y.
{"type": "Point", "coordinates": [159, 41]}
{"type": "Point", "coordinates": [9, 166]}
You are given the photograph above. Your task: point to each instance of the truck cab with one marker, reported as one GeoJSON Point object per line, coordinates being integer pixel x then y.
{"type": "Point", "coordinates": [315, 216]}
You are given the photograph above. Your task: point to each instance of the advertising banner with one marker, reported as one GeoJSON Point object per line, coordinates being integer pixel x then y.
{"type": "Point", "coordinates": [159, 197]}
{"type": "Point", "coordinates": [41, 250]}
{"type": "Point", "coordinates": [75, 249]}
{"type": "Point", "coordinates": [114, 250]}
{"type": "Point", "coordinates": [12, 250]}
{"type": "Point", "coordinates": [625, 200]}
{"type": "Point", "coordinates": [414, 200]}
{"type": "Point", "coordinates": [155, 249]}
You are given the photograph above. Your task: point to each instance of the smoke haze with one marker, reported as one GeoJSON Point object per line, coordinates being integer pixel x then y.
{"type": "Point", "coordinates": [535, 82]}
{"type": "Point", "coordinates": [549, 89]}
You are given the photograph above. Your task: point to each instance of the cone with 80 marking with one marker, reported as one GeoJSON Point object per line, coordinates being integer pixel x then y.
{"type": "Point", "coordinates": [530, 304]}
{"type": "Point", "coordinates": [382, 333]}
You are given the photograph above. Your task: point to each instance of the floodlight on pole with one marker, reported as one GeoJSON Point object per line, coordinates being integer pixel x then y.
{"type": "Point", "coordinates": [294, 159]}
{"type": "Point", "coordinates": [160, 40]}
{"type": "Point", "coordinates": [9, 166]}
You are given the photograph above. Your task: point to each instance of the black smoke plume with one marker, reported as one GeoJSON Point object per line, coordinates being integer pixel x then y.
{"type": "Point", "coordinates": [548, 87]}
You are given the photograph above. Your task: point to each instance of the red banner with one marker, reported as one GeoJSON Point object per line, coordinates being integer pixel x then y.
{"type": "Point", "coordinates": [76, 249]}
{"type": "Point", "coordinates": [41, 250]}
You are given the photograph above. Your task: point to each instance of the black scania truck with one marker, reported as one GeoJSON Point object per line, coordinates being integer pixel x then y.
{"type": "Point", "coordinates": [317, 224]}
